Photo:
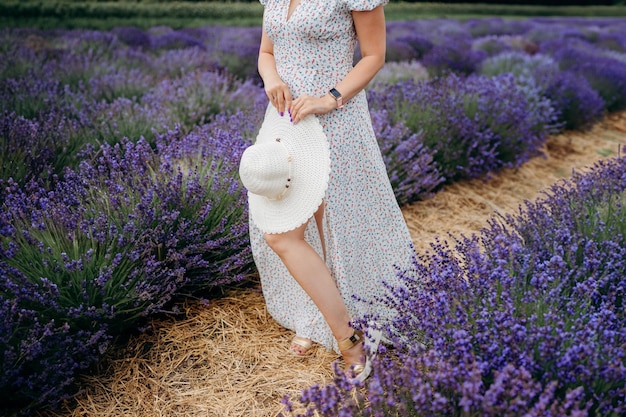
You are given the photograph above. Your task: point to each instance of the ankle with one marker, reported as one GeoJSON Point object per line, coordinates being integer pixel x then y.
{"type": "Point", "coordinates": [344, 332]}
{"type": "Point", "coordinates": [349, 343]}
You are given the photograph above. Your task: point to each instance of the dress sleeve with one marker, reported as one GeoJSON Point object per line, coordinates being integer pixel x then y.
{"type": "Point", "coordinates": [363, 5]}
{"type": "Point", "coordinates": [263, 2]}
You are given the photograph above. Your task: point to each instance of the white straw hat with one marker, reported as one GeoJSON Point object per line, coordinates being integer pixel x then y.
{"type": "Point", "coordinates": [286, 172]}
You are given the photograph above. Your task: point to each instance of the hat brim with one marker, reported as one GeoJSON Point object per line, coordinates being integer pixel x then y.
{"type": "Point", "coordinates": [309, 150]}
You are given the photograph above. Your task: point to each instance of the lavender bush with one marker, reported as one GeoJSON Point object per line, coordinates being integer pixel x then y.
{"type": "Point", "coordinates": [526, 319]}
{"type": "Point", "coordinates": [238, 51]}
{"type": "Point", "coordinates": [491, 45]}
{"type": "Point", "coordinates": [394, 72]}
{"type": "Point", "coordinates": [114, 242]}
{"type": "Point", "coordinates": [444, 45]}
{"type": "Point", "coordinates": [34, 149]}
{"type": "Point", "coordinates": [197, 97]}
{"type": "Point", "coordinates": [70, 89]}
{"type": "Point", "coordinates": [41, 352]}
{"type": "Point", "coordinates": [441, 45]}
{"type": "Point", "coordinates": [520, 64]}
{"type": "Point", "coordinates": [463, 122]}
{"type": "Point", "coordinates": [604, 73]}
{"type": "Point", "coordinates": [455, 56]}
{"type": "Point", "coordinates": [410, 164]}
{"type": "Point", "coordinates": [577, 104]}
{"type": "Point", "coordinates": [497, 26]}
{"type": "Point", "coordinates": [176, 40]}
{"type": "Point", "coordinates": [405, 42]}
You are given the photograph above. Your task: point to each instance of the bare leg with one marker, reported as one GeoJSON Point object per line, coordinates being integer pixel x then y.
{"type": "Point", "coordinates": [301, 345]}
{"type": "Point", "coordinates": [319, 220]}
{"type": "Point", "coordinates": [310, 271]}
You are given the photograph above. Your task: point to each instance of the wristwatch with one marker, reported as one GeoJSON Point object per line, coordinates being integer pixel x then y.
{"type": "Point", "coordinates": [337, 96]}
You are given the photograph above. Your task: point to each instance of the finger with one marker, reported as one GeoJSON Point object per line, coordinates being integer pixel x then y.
{"type": "Point", "coordinates": [283, 100]}
{"type": "Point", "coordinates": [295, 108]}
{"type": "Point", "coordinates": [278, 104]}
{"type": "Point", "coordinates": [276, 96]}
{"type": "Point", "coordinates": [304, 109]}
{"type": "Point", "coordinates": [288, 106]}
{"type": "Point", "coordinates": [288, 102]}
{"type": "Point", "coordinates": [272, 97]}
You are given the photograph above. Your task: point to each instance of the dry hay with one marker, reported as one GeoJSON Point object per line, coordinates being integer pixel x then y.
{"type": "Point", "coordinates": [229, 358]}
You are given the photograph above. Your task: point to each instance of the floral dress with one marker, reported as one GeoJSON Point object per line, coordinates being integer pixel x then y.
{"type": "Point", "coordinates": [365, 233]}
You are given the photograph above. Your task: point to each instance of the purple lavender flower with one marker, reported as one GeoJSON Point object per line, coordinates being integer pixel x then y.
{"type": "Point", "coordinates": [410, 164]}
{"type": "Point", "coordinates": [604, 73]}
{"type": "Point", "coordinates": [456, 55]}
{"type": "Point", "coordinates": [237, 51]}
{"type": "Point", "coordinates": [524, 319]}
{"type": "Point", "coordinates": [113, 242]}
{"type": "Point", "coordinates": [462, 121]}
{"type": "Point", "coordinates": [491, 45]}
{"type": "Point", "coordinates": [577, 104]}
{"type": "Point", "coordinates": [133, 36]}
{"type": "Point", "coordinates": [176, 40]}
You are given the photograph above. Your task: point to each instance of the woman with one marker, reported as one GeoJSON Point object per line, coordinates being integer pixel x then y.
{"type": "Point", "coordinates": [311, 275]}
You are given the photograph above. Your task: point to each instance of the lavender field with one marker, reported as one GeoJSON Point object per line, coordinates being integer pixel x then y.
{"type": "Point", "coordinates": [120, 198]}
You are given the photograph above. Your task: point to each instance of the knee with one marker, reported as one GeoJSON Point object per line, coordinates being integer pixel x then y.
{"type": "Point", "coordinates": [277, 242]}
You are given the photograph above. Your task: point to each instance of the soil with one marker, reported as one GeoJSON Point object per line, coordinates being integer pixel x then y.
{"type": "Point", "coordinates": [229, 358]}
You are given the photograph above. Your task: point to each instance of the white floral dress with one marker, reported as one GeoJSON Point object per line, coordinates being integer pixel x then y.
{"type": "Point", "coordinates": [365, 232]}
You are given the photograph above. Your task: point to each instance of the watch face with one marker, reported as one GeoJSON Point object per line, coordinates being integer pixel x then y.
{"type": "Point", "coordinates": [335, 93]}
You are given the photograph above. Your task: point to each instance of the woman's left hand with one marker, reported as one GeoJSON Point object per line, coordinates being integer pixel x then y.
{"type": "Point", "coordinates": [305, 105]}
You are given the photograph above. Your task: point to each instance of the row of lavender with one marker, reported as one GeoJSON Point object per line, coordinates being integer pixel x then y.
{"type": "Point", "coordinates": [119, 195]}
{"type": "Point", "coordinates": [526, 319]}
{"type": "Point", "coordinates": [120, 149]}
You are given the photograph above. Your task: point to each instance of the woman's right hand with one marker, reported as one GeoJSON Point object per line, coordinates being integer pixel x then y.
{"type": "Point", "coordinates": [279, 96]}
{"type": "Point", "coordinates": [275, 88]}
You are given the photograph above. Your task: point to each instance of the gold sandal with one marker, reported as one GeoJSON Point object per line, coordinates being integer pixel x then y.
{"type": "Point", "coordinates": [360, 371]}
{"type": "Point", "coordinates": [305, 343]}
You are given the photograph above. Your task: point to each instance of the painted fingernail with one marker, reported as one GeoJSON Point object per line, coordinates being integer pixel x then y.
{"type": "Point", "coordinates": [281, 114]}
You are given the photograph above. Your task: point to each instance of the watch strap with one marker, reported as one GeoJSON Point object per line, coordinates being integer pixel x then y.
{"type": "Point", "coordinates": [337, 96]}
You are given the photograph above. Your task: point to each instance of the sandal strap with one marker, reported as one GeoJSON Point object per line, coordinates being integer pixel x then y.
{"type": "Point", "coordinates": [302, 342]}
{"type": "Point", "coordinates": [351, 341]}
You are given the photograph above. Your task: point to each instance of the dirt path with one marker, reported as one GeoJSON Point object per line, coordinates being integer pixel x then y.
{"type": "Point", "coordinates": [231, 359]}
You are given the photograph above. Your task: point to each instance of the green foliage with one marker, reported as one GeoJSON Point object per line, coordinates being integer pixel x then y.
{"type": "Point", "coordinates": [105, 15]}
{"type": "Point", "coordinates": [73, 261]}
{"type": "Point", "coordinates": [108, 14]}
{"type": "Point", "coordinates": [64, 9]}
{"type": "Point", "coordinates": [406, 11]}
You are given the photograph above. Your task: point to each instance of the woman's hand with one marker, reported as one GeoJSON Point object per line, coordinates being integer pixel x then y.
{"type": "Point", "coordinates": [279, 96]}
{"type": "Point", "coordinates": [278, 92]}
{"type": "Point", "coordinates": [305, 105]}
